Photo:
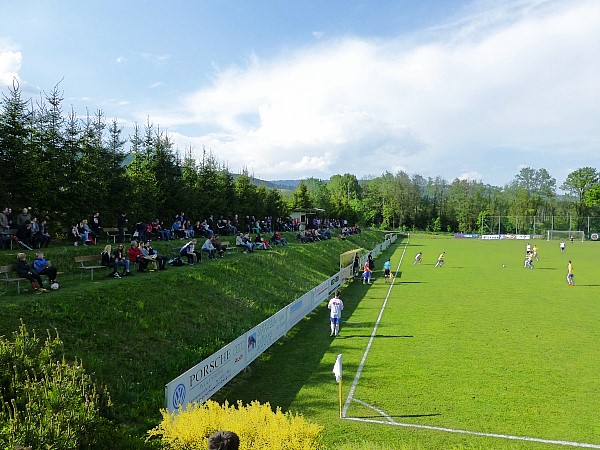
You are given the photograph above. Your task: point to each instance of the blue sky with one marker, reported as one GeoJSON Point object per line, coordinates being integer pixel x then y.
{"type": "Point", "coordinates": [296, 89]}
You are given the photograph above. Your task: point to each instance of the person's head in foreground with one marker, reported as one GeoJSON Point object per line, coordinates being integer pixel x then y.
{"type": "Point", "coordinates": [223, 440]}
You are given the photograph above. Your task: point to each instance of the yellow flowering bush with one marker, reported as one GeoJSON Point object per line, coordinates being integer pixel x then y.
{"type": "Point", "coordinates": [257, 425]}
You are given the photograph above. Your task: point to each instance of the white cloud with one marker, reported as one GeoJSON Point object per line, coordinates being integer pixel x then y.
{"type": "Point", "coordinates": [10, 64]}
{"type": "Point", "coordinates": [469, 100]}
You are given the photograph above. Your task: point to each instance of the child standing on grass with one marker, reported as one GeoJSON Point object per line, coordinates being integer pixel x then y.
{"type": "Point", "coordinates": [335, 306]}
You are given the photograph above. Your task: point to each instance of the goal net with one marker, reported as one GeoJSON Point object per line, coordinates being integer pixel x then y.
{"type": "Point", "coordinates": [560, 235]}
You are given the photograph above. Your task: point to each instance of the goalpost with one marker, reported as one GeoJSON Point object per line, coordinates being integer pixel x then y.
{"type": "Point", "coordinates": [561, 235]}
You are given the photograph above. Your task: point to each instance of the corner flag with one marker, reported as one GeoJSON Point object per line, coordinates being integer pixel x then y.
{"type": "Point", "coordinates": [337, 368]}
{"type": "Point", "coordinates": [337, 371]}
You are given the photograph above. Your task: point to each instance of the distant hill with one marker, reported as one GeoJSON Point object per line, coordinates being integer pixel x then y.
{"type": "Point", "coordinates": [285, 184]}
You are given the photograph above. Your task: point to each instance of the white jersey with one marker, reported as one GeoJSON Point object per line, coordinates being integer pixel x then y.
{"type": "Point", "coordinates": [335, 305]}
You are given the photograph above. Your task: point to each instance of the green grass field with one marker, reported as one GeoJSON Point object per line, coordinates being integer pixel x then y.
{"type": "Point", "coordinates": [472, 346]}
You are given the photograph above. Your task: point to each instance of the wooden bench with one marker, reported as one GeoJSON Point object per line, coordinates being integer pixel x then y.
{"type": "Point", "coordinates": [229, 248]}
{"type": "Point", "coordinates": [7, 275]}
{"type": "Point", "coordinates": [89, 263]}
{"type": "Point", "coordinates": [113, 233]}
{"type": "Point", "coordinates": [8, 237]}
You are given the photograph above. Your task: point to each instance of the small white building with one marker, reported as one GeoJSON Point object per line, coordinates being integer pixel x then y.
{"type": "Point", "coordinates": [303, 217]}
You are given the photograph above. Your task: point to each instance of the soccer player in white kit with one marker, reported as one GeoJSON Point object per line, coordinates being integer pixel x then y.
{"type": "Point", "coordinates": [335, 306]}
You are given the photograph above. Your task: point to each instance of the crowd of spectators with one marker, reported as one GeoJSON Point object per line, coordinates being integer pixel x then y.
{"type": "Point", "coordinates": [250, 233]}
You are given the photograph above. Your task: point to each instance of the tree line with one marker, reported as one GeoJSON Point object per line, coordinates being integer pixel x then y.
{"type": "Point", "coordinates": [64, 168]}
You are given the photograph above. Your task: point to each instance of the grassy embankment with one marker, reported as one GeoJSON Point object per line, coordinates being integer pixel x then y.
{"type": "Point", "coordinates": [136, 334]}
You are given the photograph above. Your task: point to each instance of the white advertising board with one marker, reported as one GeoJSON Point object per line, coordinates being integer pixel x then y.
{"type": "Point", "coordinates": [208, 376]}
{"type": "Point", "coordinates": [265, 334]}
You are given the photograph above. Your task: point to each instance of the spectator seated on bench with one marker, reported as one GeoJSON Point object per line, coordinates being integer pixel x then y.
{"type": "Point", "coordinates": [153, 256]}
{"type": "Point", "coordinates": [137, 257]}
{"type": "Point", "coordinates": [243, 240]}
{"type": "Point", "coordinates": [178, 231]}
{"type": "Point", "coordinates": [278, 239]}
{"type": "Point", "coordinates": [209, 248]}
{"type": "Point", "coordinates": [189, 251]}
{"type": "Point", "coordinates": [260, 243]}
{"type": "Point", "coordinates": [24, 270]}
{"type": "Point", "coordinates": [216, 242]}
{"type": "Point", "coordinates": [108, 260]}
{"type": "Point", "coordinates": [76, 237]}
{"type": "Point", "coordinates": [42, 267]}
{"type": "Point", "coordinates": [122, 259]}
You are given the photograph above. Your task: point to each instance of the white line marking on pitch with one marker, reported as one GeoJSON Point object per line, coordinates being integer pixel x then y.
{"type": "Point", "coordinates": [473, 433]}
{"type": "Point", "coordinates": [391, 421]}
{"type": "Point", "coordinates": [364, 358]}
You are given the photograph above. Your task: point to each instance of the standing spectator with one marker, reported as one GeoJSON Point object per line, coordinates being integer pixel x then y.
{"type": "Point", "coordinates": [24, 235]}
{"type": "Point", "coordinates": [355, 265]}
{"type": "Point", "coordinates": [9, 217]}
{"type": "Point", "coordinates": [96, 225]}
{"type": "Point", "coordinates": [366, 273]}
{"type": "Point", "coordinates": [24, 271]}
{"type": "Point", "coordinates": [335, 306]}
{"type": "Point", "coordinates": [122, 226]}
{"type": "Point", "coordinates": [4, 220]}
{"type": "Point", "coordinates": [45, 236]}
{"type": "Point", "coordinates": [23, 217]}
{"type": "Point", "coordinates": [371, 262]}
{"type": "Point", "coordinates": [223, 440]}
{"type": "Point", "coordinates": [4, 227]}
{"type": "Point", "coordinates": [35, 232]}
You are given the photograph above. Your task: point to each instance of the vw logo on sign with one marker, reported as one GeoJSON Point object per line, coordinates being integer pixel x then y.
{"type": "Point", "coordinates": [178, 396]}
{"type": "Point", "coordinates": [594, 236]}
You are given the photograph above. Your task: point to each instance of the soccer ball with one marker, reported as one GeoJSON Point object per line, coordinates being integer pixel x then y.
{"type": "Point", "coordinates": [503, 265]}
{"type": "Point", "coordinates": [54, 286]}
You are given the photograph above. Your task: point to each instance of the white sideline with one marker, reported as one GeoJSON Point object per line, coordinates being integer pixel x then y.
{"type": "Point", "coordinates": [364, 358]}
{"type": "Point", "coordinates": [390, 421]}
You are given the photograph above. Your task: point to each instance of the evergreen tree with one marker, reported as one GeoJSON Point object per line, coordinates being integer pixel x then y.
{"type": "Point", "coordinates": [300, 198]}
{"type": "Point", "coordinates": [16, 182]}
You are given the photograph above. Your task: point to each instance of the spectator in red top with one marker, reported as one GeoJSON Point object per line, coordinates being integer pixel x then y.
{"type": "Point", "coordinates": [136, 256]}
